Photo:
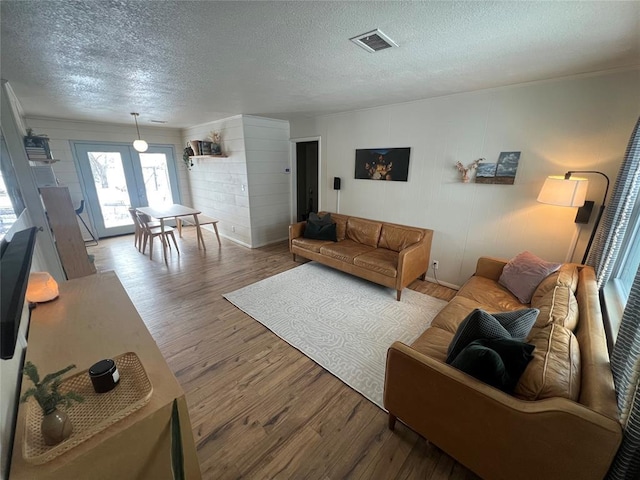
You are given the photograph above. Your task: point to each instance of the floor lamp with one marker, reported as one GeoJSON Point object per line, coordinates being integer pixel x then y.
{"type": "Point", "coordinates": [570, 191]}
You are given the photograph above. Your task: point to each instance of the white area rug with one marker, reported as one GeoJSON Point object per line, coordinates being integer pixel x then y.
{"type": "Point", "coordinates": [343, 323]}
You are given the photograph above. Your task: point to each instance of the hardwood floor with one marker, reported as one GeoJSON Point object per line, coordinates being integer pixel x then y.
{"type": "Point", "coordinates": [259, 408]}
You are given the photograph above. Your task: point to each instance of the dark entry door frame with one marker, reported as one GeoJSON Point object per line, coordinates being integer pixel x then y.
{"type": "Point", "coordinates": [294, 174]}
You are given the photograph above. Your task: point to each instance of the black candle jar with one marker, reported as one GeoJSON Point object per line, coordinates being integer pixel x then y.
{"type": "Point", "coordinates": [104, 375]}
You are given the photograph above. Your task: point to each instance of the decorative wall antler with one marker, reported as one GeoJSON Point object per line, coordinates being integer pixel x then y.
{"type": "Point", "coordinates": [465, 170]}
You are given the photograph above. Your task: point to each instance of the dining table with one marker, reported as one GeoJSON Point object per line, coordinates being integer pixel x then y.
{"type": "Point", "coordinates": [175, 211]}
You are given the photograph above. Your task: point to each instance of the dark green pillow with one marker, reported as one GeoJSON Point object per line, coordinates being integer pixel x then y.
{"type": "Point", "coordinates": [480, 325]}
{"type": "Point", "coordinates": [320, 220]}
{"type": "Point", "coordinates": [497, 362]}
{"type": "Point", "coordinates": [320, 232]}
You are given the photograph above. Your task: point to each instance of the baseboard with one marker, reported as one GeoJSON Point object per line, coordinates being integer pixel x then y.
{"type": "Point", "coordinates": [235, 240]}
{"type": "Point", "coordinates": [271, 242]}
{"type": "Point", "coordinates": [240, 242]}
{"type": "Point", "coordinates": [444, 284]}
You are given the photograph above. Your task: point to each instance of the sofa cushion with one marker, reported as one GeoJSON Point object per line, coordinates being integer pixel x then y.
{"type": "Point", "coordinates": [309, 244]}
{"type": "Point", "coordinates": [558, 305]}
{"type": "Point", "coordinates": [567, 275]}
{"type": "Point", "coordinates": [346, 250]}
{"type": "Point", "coordinates": [555, 368]}
{"type": "Point", "coordinates": [497, 362]}
{"type": "Point", "coordinates": [366, 232]}
{"type": "Point", "coordinates": [320, 231]}
{"type": "Point", "coordinates": [398, 238]}
{"type": "Point", "coordinates": [454, 313]}
{"type": "Point", "coordinates": [523, 273]}
{"type": "Point", "coordinates": [434, 342]}
{"type": "Point", "coordinates": [379, 260]}
{"type": "Point", "coordinates": [488, 292]}
{"type": "Point", "coordinates": [480, 324]}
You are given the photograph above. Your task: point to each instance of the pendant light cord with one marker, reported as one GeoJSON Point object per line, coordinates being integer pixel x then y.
{"type": "Point", "coordinates": [135, 119]}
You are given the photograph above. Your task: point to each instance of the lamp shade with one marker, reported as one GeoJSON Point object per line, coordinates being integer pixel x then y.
{"type": "Point", "coordinates": [564, 192]}
{"type": "Point", "coordinates": [41, 288]}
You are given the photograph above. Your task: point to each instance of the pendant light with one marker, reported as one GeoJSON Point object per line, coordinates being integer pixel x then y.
{"type": "Point", "coordinates": [139, 144]}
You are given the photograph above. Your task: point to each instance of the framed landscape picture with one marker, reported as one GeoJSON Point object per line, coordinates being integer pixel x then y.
{"type": "Point", "coordinates": [486, 172]}
{"type": "Point", "coordinates": [503, 172]}
{"type": "Point", "coordinates": [383, 164]}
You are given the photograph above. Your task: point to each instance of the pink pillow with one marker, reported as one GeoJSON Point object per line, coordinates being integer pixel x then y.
{"type": "Point", "coordinates": [524, 272]}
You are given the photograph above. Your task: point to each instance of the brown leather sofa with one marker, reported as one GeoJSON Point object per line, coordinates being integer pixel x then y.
{"type": "Point", "coordinates": [385, 253]}
{"type": "Point", "coordinates": [562, 421]}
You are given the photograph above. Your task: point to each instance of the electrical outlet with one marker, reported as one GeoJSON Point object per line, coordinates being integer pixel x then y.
{"type": "Point", "coordinates": [435, 264]}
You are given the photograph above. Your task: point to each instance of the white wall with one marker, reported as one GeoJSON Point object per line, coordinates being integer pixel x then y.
{"type": "Point", "coordinates": [569, 124]}
{"type": "Point", "coordinates": [219, 186]}
{"type": "Point", "coordinates": [267, 150]}
{"type": "Point", "coordinates": [61, 132]}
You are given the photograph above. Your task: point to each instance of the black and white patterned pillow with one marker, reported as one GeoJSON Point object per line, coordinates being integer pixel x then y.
{"type": "Point", "coordinates": [480, 324]}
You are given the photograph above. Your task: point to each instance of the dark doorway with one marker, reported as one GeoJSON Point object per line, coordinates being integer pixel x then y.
{"type": "Point", "coordinates": [306, 179]}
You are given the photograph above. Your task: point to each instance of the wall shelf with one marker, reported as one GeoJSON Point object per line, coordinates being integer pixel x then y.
{"type": "Point", "coordinates": [209, 156]}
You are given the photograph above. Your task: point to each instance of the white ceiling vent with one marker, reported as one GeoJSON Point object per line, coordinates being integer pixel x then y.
{"type": "Point", "coordinates": [373, 41]}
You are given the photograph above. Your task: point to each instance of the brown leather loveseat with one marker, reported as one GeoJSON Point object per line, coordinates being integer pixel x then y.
{"type": "Point", "coordinates": [562, 420]}
{"type": "Point", "coordinates": [385, 253]}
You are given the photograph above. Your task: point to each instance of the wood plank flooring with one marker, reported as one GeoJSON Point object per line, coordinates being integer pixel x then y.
{"type": "Point", "coordinates": [259, 408]}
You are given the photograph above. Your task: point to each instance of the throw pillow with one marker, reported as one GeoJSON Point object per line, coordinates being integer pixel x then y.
{"type": "Point", "coordinates": [498, 362]}
{"type": "Point", "coordinates": [522, 274]}
{"type": "Point", "coordinates": [324, 220]}
{"type": "Point", "coordinates": [482, 325]}
{"type": "Point", "coordinates": [320, 232]}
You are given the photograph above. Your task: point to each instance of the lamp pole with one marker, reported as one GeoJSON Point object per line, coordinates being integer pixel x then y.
{"type": "Point", "coordinates": [567, 176]}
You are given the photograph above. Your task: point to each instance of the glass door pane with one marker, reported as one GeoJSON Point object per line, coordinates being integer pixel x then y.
{"type": "Point", "coordinates": [155, 175]}
{"type": "Point", "coordinates": [111, 187]}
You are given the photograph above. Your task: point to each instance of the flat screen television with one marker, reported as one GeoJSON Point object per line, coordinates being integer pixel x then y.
{"type": "Point", "coordinates": [15, 263]}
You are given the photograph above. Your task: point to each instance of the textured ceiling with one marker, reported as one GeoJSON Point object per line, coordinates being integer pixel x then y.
{"type": "Point", "coordinates": [192, 62]}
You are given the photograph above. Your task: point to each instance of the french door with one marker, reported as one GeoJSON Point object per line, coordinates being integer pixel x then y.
{"type": "Point", "coordinates": [115, 178]}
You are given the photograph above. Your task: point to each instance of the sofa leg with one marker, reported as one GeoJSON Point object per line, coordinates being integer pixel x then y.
{"type": "Point", "coordinates": [294, 257]}
{"type": "Point", "coordinates": [392, 422]}
{"type": "Point", "coordinates": [398, 294]}
{"type": "Point", "coordinates": [423, 277]}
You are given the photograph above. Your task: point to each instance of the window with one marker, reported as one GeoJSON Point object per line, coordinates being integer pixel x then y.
{"type": "Point", "coordinates": [11, 204]}
{"type": "Point", "coordinates": [629, 257]}
{"type": "Point", "coordinates": [7, 214]}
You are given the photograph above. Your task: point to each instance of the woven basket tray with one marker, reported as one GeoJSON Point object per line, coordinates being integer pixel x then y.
{"type": "Point", "coordinates": [97, 412]}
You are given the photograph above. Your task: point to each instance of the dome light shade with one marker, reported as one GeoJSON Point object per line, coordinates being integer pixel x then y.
{"type": "Point", "coordinates": [139, 144]}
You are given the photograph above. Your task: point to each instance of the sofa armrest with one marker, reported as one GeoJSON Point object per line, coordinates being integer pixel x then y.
{"type": "Point", "coordinates": [413, 261]}
{"type": "Point", "coordinates": [476, 423]}
{"type": "Point", "coordinates": [490, 267]}
{"type": "Point", "coordinates": [296, 230]}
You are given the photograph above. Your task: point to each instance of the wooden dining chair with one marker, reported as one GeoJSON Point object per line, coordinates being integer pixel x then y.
{"type": "Point", "coordinates": [139, 232]}
{"type": "Point", "coordinates": [150, 232]}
